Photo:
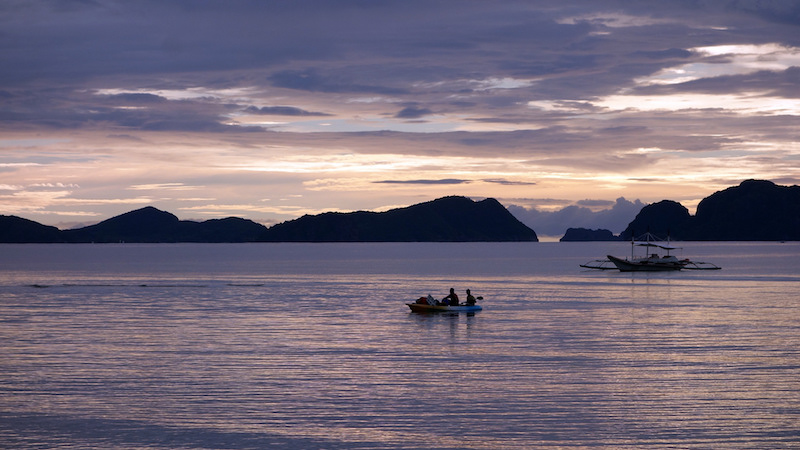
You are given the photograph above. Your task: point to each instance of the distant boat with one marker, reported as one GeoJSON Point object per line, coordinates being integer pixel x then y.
{"type": "Point", "coordinates": [651, 261]}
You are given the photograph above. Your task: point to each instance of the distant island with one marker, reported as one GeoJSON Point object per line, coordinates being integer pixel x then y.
{"type": "Point", "coordinates": [584, 234]}
{"type": "Point", "coordinates": [448, 219]}
{"type": "Point", "coordinates": [756, 210]}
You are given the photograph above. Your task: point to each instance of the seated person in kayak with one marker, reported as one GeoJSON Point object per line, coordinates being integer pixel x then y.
{"type": "Point", "coordinates": [451, 299]}
{"type": "Point", "coordinates": [470, 299]}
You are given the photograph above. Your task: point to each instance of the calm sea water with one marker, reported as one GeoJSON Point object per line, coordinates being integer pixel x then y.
{"type": "Point", "coordinates": [311, 346]}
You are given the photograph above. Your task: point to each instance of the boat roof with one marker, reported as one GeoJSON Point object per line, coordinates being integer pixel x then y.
{"type": "Point", "coordinates": [655, 244]}
{"type": "Point", "coordinates": [650, 240]}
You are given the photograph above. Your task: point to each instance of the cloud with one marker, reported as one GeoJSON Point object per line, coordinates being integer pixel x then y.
{"type": "Point", "coordinates": [783, 83]}
{"type": "Point", "coordinates": [162, 187]}
{"type": "Point", "coordinates": [283, 111]}
{"type": "Point", "coordinates": [779, 11]}
{"type": "Point", "coordinates": [582, 215]}
{"type": "Point", "coordinates": [136, 98]}
{"type": "Point", "coordinates": [71, 109]}
{"type": "Point", "coordinates": [509, 182]}
{"type": "Point", "coordinates": [596, 203]}
{"type": "Point", "coordinates": [668, 54]}
{"type": "Point", "coordinates": [413, 112]}
{"type": "Point", "coordinates": [311, 80]}
{"type": "Point", "coordinates": [443, 181]}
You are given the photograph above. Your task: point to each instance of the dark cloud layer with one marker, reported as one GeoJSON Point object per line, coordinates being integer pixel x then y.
{"type": "Point", "coordinates": [413, 112]}
{"type": "Point", "coordinates": [283, 111]}
{"type": "Point", "coordinates": [414, 50]}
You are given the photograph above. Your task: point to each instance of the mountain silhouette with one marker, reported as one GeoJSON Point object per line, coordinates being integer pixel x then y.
{"type": "Point", "coordinates": [585, 234]}
{"type": "Point", "coordinates": [153, 225]}
{"type": "Point", "coordinates": [15, 229]}
{"type": "Point", "coordinates": [448, 219]}
{"type": "Point", "coordinates": [663, 218]}
{"type": "Point", "coordinates": [755, 210]}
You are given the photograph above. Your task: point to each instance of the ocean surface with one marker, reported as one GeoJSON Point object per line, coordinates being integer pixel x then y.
{"type": "Point", "coordinates": [311, 346]}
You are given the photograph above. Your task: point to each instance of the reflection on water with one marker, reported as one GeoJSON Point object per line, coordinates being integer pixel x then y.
{"type": "Point", "coordinates": [242, 352]}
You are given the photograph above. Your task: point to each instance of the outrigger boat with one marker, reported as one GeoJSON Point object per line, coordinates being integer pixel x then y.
{"type": "Point", "coordinates": [651, 262]}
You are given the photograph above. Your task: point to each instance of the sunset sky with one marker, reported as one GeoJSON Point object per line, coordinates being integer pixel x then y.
{"type": "Point", "coordinates": [269, 110]}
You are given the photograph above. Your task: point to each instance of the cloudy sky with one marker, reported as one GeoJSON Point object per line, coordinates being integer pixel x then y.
{"type": "Point", "coordinates": [272, 109]}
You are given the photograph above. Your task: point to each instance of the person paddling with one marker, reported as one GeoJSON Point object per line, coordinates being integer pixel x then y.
{"type": "Point", "coordinates": [470, 299]}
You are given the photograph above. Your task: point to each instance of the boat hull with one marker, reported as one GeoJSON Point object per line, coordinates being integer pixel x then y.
{"type": "Point", "coordinates": [646, 265]}
{"type": "Point", "coordinates": [425, 308]}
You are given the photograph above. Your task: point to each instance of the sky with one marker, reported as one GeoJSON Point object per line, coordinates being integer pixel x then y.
{"type": "Point", "coordinates": [268, 110]}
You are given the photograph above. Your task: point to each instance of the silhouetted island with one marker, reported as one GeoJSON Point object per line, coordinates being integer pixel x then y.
{"type": "Point", "coordinates": [449, 219]}
{"type": "Point", "coordinates": [756, 210]}
{"type": "Point", "coordinates": [584, 234]}
{"type": "Point", "coordinates": [16, 230]}
{"type": "Point", "coordinates": [153, 225]}
{"type": "Point", "coordinates": [663, 218]}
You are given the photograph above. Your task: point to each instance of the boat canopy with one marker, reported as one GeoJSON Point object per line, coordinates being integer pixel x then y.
{"type": "Point", "coordinates": [650, 240]}
{"type": "Point", "coordinates": [655, 244]}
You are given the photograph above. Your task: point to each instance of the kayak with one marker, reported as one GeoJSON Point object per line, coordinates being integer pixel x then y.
{"type": "Point", "coordinates": [424, 307]}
